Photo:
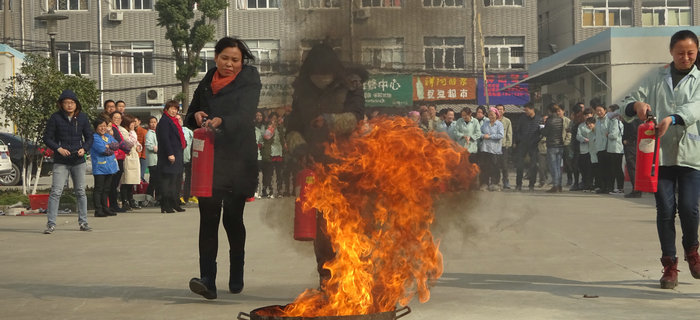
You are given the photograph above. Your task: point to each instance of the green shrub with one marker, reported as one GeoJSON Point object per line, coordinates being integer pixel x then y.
{"type": "Point", "coordinates": [10, 197]}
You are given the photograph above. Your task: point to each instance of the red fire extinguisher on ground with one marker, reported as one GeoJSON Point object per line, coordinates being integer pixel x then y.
{"type": "Point", "coordinates": [202, 162]}
{"type": "Point", "coordinates": [647, 166]}
{"type": "Point", "coordinates": [304, 220]}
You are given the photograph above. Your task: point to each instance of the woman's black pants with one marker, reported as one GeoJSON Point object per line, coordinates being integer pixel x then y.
{"type": "Point", "coordinates": [100, 193]}
{"type": "Point", "coordinates": [209, 216]}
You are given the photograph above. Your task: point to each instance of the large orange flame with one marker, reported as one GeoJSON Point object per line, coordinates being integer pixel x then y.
{"type": "Point", "coordinates": [377, 198]}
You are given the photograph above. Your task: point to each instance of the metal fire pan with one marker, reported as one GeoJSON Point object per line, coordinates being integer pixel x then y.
{"type": "Point", "coordinates": [276, 311]}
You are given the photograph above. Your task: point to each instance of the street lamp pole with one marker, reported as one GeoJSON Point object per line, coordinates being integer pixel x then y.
{"type": "Point", "coordinates": [51, 19]}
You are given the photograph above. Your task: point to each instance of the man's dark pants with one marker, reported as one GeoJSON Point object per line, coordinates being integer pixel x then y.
{"type": "Point", "coordinates": [523, 153]}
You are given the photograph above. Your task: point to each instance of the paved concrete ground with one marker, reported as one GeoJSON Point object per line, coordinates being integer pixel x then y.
{"type": "Point", "coordinates": [506, 256]}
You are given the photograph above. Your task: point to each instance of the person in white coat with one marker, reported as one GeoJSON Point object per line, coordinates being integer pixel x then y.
{"type": "Point", "coordinates": [615, 151]}
{"type": "Point", "coordinates": [132, 165]}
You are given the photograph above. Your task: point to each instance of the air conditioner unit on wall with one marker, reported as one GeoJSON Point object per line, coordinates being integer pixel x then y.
{"type": "Point", "coordinates": [154, 96]}
{"type": "Point", "coordinates": [361, 14]}
{"type": "Point", "coordinates": [116, 16]}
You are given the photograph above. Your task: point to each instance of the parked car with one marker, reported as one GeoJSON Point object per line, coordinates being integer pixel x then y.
{"type": "Point", "coordinates": [5, 162]}
{"type": "Point", "coordinates": [16, 149]}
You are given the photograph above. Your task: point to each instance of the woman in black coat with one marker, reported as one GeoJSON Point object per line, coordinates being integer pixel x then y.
{"type": "Point", "coordinates": [225, 101]}
{"type": "Point", "coordinates": [171, 142]}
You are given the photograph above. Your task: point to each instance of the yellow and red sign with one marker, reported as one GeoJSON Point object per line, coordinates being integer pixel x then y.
{"type": "Point", "coordinates": [434, 88]}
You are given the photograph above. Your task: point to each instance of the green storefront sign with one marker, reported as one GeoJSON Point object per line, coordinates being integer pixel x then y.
{"type": "Point", "coordinates": [383, 90]}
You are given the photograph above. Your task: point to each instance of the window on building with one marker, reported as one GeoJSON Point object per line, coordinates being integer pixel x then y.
{"type": "Point", "coordinates": [443, 3]}
{"type": "Point", "coordinates": [2, 5]}
{"type": "Point", "coordinates": [132, 57]}
{"type": "Point", "coordinates": [381, 3]}
{"type": "Point", "coordinates": [207, 57]}
{"type": "Point", "coordinates": [266, 54]}
{"type": "Point", "coordinates": [444, 53]}
{"type": "Point", "coordinates": [505, 52]}
{"type": "Point", "coordinates": [501, 3]}
{"type": "Point", "coordinates": [68, 4]}
{"type": "Point", "coordinates": [132, 4]}
{"type": "Point", "coordinates": [73, 57]}
{"type": "Point", "coordinates": [319, 4]}
{"type": "Point", "coordinates": [307, 44]}
{"type": "Point", "coordinates": [382, 53]}
{"type": "Point", "coordinates": [606, 13]}
{"type": "Point", "coordinates": [257, 4]}
{"type": "Point", "coordinates": [666, 13]}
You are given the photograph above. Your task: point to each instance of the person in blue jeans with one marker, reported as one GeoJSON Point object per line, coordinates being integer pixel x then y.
{"type": "Point", "coordinates": [671, 95]}
{"type": "Point", "coordinates": [557, 131]}
{"type": "Point", "coordinates": [68, 133]}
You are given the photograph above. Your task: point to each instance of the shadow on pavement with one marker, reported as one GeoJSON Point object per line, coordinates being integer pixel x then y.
{"type": "Point", "coordinates": [128, 293]}
{"type": "Point", "coordinates": [640, 289]}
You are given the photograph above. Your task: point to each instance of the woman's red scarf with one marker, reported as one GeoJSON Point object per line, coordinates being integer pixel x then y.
{"type": "Point", "coordinates": [179, 129]}
{"type": "Point", "coordinates": [218, 82]}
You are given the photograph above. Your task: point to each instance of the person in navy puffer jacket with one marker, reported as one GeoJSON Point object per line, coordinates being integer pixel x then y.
{"type": "Point", "coordinates": [69, 134]}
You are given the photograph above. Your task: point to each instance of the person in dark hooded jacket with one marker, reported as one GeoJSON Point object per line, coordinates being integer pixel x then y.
{"type": "Point", "coordinates": [328, 100]}
{"type": "Point", "coordinates": [225, 101]}
{"type": "Point", "coordinates": [69, 134]}
{"type": "Point", "coordinates": [325, 101]}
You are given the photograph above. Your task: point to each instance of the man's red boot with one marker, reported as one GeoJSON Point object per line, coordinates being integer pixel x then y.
{"type": "Point", "coordinates": [691, 255]}
{"type": "Point", "coordinates": [670, 278]}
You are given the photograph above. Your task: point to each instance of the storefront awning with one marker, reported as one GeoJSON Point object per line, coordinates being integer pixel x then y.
{"type": "Point", "coordinates": [549, 69]}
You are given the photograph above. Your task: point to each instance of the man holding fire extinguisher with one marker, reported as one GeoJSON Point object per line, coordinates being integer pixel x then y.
{"type": "Point", "coordinates": [225, 102]}
{"type": "Point", "coordinates": [672, 96]}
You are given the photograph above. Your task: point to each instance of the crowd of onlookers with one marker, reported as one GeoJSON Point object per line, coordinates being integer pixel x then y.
{"type": "Point", "coordinates": [582, 149]}
{"type": "Point", "coordinates": [587, 146]}
{"type": "Point", "coordinates": [585, 149]}
{"type": "Point", "coordinates": [134, 145]}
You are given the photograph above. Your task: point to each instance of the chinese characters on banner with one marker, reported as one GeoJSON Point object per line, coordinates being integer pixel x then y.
{"type": "Point", "coordinates": [276, 91]}
{"type": "Point", "coordinates": [517, 95]}
{"type": "Point", "coordinates": [430, 88]}
{"type": "Point", "coordinates": [388, 90]}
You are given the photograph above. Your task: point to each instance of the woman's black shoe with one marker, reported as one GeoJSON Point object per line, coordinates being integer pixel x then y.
{"type": "Point", "coordinates": [162, 210]}
{"type": "Point", "coordinates": [100, 214]}
{"type": "Point", "coordinates": [200, 287]}
{"type": "Point", "coordinates": [179, 209]}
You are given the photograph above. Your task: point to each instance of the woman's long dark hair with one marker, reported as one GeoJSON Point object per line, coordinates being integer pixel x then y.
{"type": "Point", "coordinates": [228, 42]}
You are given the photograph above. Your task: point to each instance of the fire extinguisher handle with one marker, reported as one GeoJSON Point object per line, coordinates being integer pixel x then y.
{"type": "Point", "coordinates": [241, 316]}
{"type": "Point", "coordinates": [650, 116]}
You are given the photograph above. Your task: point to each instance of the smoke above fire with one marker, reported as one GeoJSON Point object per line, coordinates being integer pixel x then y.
{"type": "Point", "coordinates": [377, 197]}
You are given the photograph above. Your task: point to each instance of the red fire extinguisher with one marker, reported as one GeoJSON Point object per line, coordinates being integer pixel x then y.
{"type": "Point", "coordinates": [304, 220]}
{"type": "Point", "coordinates": [202, 162]}
{"type": "Point", "coordinates": [647, 166]}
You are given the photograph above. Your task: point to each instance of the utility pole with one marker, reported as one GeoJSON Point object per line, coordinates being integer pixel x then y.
{"type": "Point", "coordinates": [351, 30]}
{"type": "Point", "coordinates": [483, 61]}
{"type": "Point", "coordinates": [7, 23]}
{"type": "Point", "coordinates": [474, 14]}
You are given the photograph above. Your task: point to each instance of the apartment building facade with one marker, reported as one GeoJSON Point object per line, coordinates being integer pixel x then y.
{"type": "Point", "coordinates": [603, 48]}
{"type": "Point", "coordinates": [562, 24]}
{"type": "Point", "coordinates": [118, 43]}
